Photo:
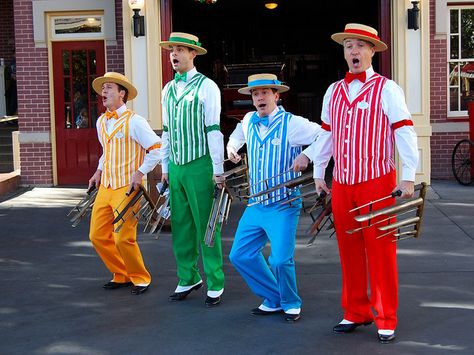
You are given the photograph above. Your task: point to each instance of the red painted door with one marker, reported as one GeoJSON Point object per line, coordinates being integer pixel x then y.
{"type": "Point", "coordinates": [75, 66]}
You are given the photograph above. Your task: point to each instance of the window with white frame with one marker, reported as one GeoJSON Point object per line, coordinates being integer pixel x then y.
{"type": "Point", "coordinates": [460, 59]}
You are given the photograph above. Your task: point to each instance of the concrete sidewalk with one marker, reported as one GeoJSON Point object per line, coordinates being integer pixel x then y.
{"type": "Point", "coordinates": [52, 302]}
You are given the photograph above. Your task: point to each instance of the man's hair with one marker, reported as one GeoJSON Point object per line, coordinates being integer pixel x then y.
{"type": "Point", "coordinates": [125, 98]}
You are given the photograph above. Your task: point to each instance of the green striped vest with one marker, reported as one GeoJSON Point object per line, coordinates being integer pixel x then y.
{"type": "Point", "coordinates": [187, 132]}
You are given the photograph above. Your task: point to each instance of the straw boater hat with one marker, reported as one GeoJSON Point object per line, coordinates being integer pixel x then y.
{"type": "Point", "coordinates": [183, 39]}
{"type": "Point", "coordinates": [366, 33]}
{"type": "Point", "coordinates": [117, 78]}
{"type": "Point", "coordinates": [261, 81]}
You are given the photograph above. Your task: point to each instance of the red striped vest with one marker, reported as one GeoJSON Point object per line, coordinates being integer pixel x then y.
{"type": "Point", "coordinates": [363, 141]}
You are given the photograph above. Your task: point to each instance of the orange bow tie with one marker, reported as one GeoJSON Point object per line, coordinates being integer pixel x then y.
{"type": "Point", "coordinates": [110, 115]}
{"type": "Point", "coordinates": [351, 76]}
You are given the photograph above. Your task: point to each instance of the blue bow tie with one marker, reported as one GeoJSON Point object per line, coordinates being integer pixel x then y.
{"type": "Point", "coordinates": [178, 77]}
{"type": "Point", "coordinates": [263, 120]}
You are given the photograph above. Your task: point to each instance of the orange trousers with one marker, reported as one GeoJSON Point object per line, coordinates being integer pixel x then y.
{"type": "Point", "coordinates": [119, 251]}
{"type": "Point", "coordinates": [363, 257]}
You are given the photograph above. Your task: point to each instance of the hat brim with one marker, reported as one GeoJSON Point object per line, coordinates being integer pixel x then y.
{"type": "Point", "coordinates": [341, 36]}
{"type": "Point", "coordinates": [98, 82]}
{"type": "Point", "coordinates": [169, 44]}
{"type": "Point", "coordinates": [248, 89]}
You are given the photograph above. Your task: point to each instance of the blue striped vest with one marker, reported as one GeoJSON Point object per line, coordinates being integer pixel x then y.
{"type": "Point", "coordinates": [270, 158]}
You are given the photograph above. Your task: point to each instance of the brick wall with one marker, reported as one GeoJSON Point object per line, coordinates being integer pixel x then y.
{"type": "Point", "coordinates": [33, 90]}
{"type": "Point", "coordinates": [7, 34]}
{"type": "Point", "coordinates": [33, 98]}
{"type": "Point", "coordinates": [442, 143]}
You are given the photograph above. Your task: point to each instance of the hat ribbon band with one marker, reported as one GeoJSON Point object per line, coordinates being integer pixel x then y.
{"type": "Point", "coordinates": [264, 82]}
{"type": "Point", "coordinates": [363, 33]}
{"type": "Point", "coordinates": [184, 40]}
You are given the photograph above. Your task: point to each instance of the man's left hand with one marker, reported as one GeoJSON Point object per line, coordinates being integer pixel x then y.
{"type": "Point", "coordinates": [407, 188]}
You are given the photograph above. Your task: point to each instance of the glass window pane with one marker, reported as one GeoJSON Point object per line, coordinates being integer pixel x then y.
{"type": "Point", "coordinates": [453, 99]}
{"type": "Point", "coordinates": [467, 33]}
{"type": "Point", "coordinates": [67, 25]}
{"type": "Point", "coordinates": [66, 59]}
{"type": "Point", "coordinates": [453, 74]}
{"type": "Point", "coordinates": [67, 90]}
{"type": "Point", "coordinates": [454, 44]}
{"type": "Point", "coordinates": [454, 21]}
{"type": "Point", "coordinates": [92, 62]}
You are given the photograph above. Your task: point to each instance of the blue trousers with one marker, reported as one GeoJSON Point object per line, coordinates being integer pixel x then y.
{"type": "Point", "coordinates": [259, 224]}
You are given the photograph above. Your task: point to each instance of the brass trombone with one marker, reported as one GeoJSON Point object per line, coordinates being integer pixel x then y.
{"type": "Point", "coordinates": [138, 207]}
{"type": "Point", "coordinates": [219, 213]}
{"type": "Point", "coordinates": [84, 207]}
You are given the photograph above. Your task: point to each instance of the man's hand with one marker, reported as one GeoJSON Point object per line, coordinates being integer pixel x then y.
{"type": "Point", "coordinates": [407, 188]}
{"type": "Point", "coordinates": [95, 179]}
{"type": "Point", "coordinates": [219, 181]}
{"type": "Point", "coordinates": [300, 163]}
{"type": "Point", "coordinates": [233, 155]}
{"type": "Point", "coordinates": [135, 181]}
{"type": "Point", "coordinates": [321, 186]}
{"type": "Point", "coordinates": [165, 178]}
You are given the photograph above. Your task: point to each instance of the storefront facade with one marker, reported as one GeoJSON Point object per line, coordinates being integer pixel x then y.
{"type": "Point", "coordinates": [57, 108]}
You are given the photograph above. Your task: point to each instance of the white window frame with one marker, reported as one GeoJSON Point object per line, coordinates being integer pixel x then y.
{"type": "Point", "coordinates": [454, 114]}
{"type": "Point", "coordinates": [75, 36]}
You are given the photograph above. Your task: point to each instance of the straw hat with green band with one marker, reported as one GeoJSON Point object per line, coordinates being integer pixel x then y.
{"type": "Point", "coordinates": [117, 78]}
{"type": "Point", "coordinates": [183, 39]}
{"type": "Point", "coordinates": [263, 81]}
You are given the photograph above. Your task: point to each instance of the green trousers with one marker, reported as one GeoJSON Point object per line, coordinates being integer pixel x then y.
{"type": "Point", "coordinates": [191, 196]}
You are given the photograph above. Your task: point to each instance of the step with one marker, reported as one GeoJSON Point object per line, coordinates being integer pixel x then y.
{"type": "Point", "coordinates": [9, 182]}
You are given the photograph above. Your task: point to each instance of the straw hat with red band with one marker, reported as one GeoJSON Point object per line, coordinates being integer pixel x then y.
{"type": "Point", "coordinates": [183, 39]}
{"type": "Point", "coordinates": [263, 81]}
{"type": "Point", "coordinates": [366, 33]}
{"type": "Point", "coordinates": [117, 78]}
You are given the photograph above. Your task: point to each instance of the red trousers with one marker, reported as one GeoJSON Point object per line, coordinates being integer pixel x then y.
{"type": "Point", "coordinates": [363, 257]}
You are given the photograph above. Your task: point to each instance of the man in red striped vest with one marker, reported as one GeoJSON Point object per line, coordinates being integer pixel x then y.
{"type": "Point", "coordinates": [125, 138]}
{"type": "Point", "coordinates": [364, 115]}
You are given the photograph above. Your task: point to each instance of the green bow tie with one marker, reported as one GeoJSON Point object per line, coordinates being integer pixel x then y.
{"type": "Point", "coordinates": [178, 77]}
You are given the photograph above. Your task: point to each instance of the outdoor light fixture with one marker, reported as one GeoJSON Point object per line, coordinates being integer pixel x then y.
{"type": "Point", "coordinates": [414, 16]}
{"type": "Point", "coordinates": [138, 20]}
{"type": "Point", "coordinates": [271, 5]}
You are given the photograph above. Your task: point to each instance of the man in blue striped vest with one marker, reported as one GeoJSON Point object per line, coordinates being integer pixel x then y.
{"type": "Point", "coordinates": [192, 163]}
{"type": "Point", "coordinates": [274, 139]}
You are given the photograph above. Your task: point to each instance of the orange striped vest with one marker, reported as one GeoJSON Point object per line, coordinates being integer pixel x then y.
{"type": "Point", "coordinates": [122, 155]}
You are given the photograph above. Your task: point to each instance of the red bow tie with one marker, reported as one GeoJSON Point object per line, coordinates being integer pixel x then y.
{"type": "Point", "coordinates": [110, 115]}
{"type": "Point", "coordinates": [351, 76]}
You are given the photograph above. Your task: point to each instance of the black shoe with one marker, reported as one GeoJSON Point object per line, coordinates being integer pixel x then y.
{"type": "Point", "coordinates": [138, 290]}
{"type": "Point", "coordinates": [212, 301]}
{"type": "Point", "coordinates": [385, 339]}
{"type": "Point", "coordinates": [260, 312]}
{"type": "Point", "coordinates": [111, 285]}
{"type": "Point", "coordinates": [292, 317]}
{"type": "Point", "coordinates": [348, 328]}
{"type": "Point", "coordinates": [179, 296]}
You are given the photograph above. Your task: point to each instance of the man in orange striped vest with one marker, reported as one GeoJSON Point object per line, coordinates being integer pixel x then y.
{"type": "Point", "coordinates": [364, 115]}
{"type": "Point", "coordinates": [125, 138]}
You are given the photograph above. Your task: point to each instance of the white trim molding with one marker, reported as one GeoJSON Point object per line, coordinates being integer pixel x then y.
{"type": "Point", "coordinates": [42, 7]}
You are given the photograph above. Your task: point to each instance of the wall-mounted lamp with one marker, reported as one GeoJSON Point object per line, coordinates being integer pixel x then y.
{"type": "Point", "coordinates": [271, 4]}
{"type": "Point", "coordinates": [138, 20]}
{"type": "Point", "coordinates": [414, 16]}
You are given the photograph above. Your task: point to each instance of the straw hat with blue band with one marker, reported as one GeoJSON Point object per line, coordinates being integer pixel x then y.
{"type": "Point", "coordinates": [263, 81]}
{"type": "Point", "coordinates": [183, 39]}
{"type": "Point", "coordinates": [117, 78]}
{"type": "Point", "coordinates": [366, 33]}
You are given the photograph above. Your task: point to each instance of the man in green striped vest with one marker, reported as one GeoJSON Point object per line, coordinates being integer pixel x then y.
{"type": "Point", "coordinates": [192, 162]}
